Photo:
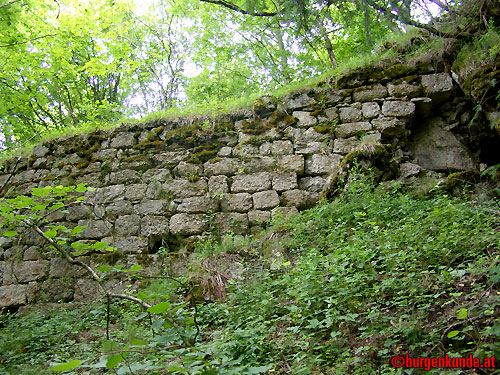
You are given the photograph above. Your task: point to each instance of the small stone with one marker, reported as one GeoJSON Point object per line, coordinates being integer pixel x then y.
{"type": "Point", "coordinates": [31, 270]}
{"type": "Point", "coordinates": [152, 207]}
{"type": "Point", "coordinates": [183, 188]}
{"type": "Point", "coordinates": [154, 226]}
{"type": "Point", "coordinates": [135, 192]}
{"type": "Point", "coordinates": [96, 229]}
{"type": "Point", "coordinates": [409, 170]}
{"type": "Point", "coordinates": [185, 169]}
{"type": "Point", "coordinates": [225, 151]}
{"type": "Point", "coordinates": [225, 166]}
{"type": "Point", "coordinates": [344, 146]}
{"type": "Point", "coordinates": [312, 184]}
{"type": "Point", "coordinates": [297, 198]}
{"type": "Point", "coordinates": [230, 222]}
{"type": "Point", "coordinates": [198, 205]}
{"type": "Point", "coordinates": [437, 86]}
{"type": "Point", "coordinates": [32, 253]}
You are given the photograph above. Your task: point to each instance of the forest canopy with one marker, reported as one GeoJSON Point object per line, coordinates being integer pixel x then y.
{"type": "Point", "coordinates": [67, 63]}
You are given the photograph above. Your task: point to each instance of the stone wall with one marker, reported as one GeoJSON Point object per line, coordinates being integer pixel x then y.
{"type": "Point", "coordinates": [168, 183]}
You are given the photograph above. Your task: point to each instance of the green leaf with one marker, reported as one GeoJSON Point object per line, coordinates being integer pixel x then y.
{"type": "Point", "coordinates": [103, 268]}
{"type": "Point", "coordinates": [99, 245]}
{"type": "Point", "coordinates": [138, 342]}
{"type": "Point", "coordinates": [452, 334]}
{"type": "Point", "coordinates": [114, 360]}
{"type": "Point", "coordinates": [65, 366]}
{"type": "Point", "coordinates": [159, 308]}
{"type": "Point", "coordinates": [462, 314]}
{"type": "Point", "coordinates": [50, 233]}
{"type": "Point", "coordinates": [10, 233]}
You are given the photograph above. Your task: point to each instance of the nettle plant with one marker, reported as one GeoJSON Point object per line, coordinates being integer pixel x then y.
{"type": "Point", "coordinates": [172, 324]}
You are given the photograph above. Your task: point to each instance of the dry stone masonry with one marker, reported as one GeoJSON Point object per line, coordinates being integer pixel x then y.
{"type": "Point", "coordinates": [169, 183]}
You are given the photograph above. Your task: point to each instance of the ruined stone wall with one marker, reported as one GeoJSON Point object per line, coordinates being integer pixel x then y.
{"type": "Point", "coordinates": [168, 183]}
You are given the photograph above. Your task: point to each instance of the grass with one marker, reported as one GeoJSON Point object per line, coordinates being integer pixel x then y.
{"type": "Point", "coordinates": [363, 278]}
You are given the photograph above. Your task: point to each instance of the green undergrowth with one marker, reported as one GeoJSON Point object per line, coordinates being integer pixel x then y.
{"type": "Point", "coordinates": [369, 276]}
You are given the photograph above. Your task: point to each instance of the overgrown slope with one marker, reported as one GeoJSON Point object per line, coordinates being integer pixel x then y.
{"type": "Point", "coordinates": [339, 289]}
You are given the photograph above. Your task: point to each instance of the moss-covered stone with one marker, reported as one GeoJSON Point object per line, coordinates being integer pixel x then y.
{"type": "Point", "coordinates": [147, 145]}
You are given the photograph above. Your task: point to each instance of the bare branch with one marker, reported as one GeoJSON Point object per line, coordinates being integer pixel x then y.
{"type": "Point", "coordinates": [236, 8]}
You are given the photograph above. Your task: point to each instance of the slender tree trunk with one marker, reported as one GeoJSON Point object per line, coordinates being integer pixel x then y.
{"type": "Point", "coordinates": [285, 68]}
{"type": "Point", "coordinates": [328, 42]}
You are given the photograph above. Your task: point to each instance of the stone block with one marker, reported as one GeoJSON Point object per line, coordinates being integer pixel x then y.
{"type": "Point", "coordinates": [312, 184]}
{"type": "Point", "coordinates": [322, 164]}
{"type": "Point", "coordinates": [106, 194]}
{"type": "Point", "coordinates": [398, 109]}
{"type": "Point", "coordinates": [344, 146]}
{"type": "Point", "coordinates": [251, 183]}
{"type": "Point", "coordinates": [31, 270]}
{"type": "Point", "coordinates": [224, 166]}
{"type": "Point", "coordinates": [96, 229]}
{"type": "Point", "coordinates": [350, 114]}
{"type": "Point", "coordinates": [12, 295]}
{"type": "Point", "coordinates": [259, 164]}
{"type": "Point", "coordinates": [241, 202]}
{"type": "Point", "coordinates": [369, 93]}
{"type": "Point", "coordinates": [58, 290]}
{"type": "Point", "coordinates": [246, 151]}
{"type": "Point", "coordinates": [305, 119]}
{"type": "Point", "coordinates": [152, 207]}
{"type": "Point", "coordinates": [265, 149]}
{"type": "Point", "coordinates": [198, 205]}
{"type": "Point", "coordinates": [407, 170]}
{"type": "Point", "coordinates": [130, 245]}
{"type": "Point", "coordinates": [351, 129]}
{"type": "Point", "coordinates": [282, 148]}
{"type": "Point", "coordinates": [170, 158]}
{"type": "Point", "coordinates": [118, 208]}
{"type": "Point", "coordinates": [263, 200]}
{"type": "Point", "coordinates": [258, 217]}
{"type": "Point", "coordinates": [156, 174]}
{"type": "Point", "coordinates": [40, 151]}
{"type": "Point", "coordinates": [284, 181]}
{"type": "Point", "coordinates": [404, 89]}
{"type": "Point", "coordinates": [284, 211]}
{"type": "Point", "coordinates": [310, 148]}
{"type": "Point", "coordinates": [155, 190]}
{"type": "Point", "coordinates": [291, 163]}
{"type": "Point", "coordinates": [135, 192]}
{"type": "Point", "coordinates": [188, 224]}
{"type": "Point", "coordinates": [181, 188]}
{"type": "Point", "coordinates": [390, 128]}
{"type": "Point", "coordinates": [297, 198]}
{"type": "Point", "coordinates": [87, 290]}
{"type": "Point", "coordinates": [332, 114]}
{"type": "Point", "coordinates": [437, 86]}
{"type": "Point", "coordinates": [370, 110]}
{"type": "Point", "coordinates": [123, 140]}
{"type": "Point", "coordinates": [311, 135]}
{"type": "Point", "coordinates": [294, 101]}
{"type": "Point", "coordinates": [217, 185]}
{"type": "Point", "coordinates": [230, 222]}
{"type": "Point", "coordinates": [154, 226]}
{"type": "Point", "coordinates": [438, 149]}
{"type": "Point", "coordinates": [60, 267]}
{"type": "Point", "coordinates": [127, 225]}
{"type": "Point", "coordinates": [225, 151]}
{"type": "Point", "coordinates": [32, 253]}
{"type": "Point", "coordinates": [185, 169]}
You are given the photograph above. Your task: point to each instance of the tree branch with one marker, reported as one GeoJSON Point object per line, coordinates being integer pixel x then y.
{"type": "Point", "coordinates": [26, 41]}
{"type": "Point", "coordinates": [236, 8]}
{"type": "Point", "coordinates": [12, 2]}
